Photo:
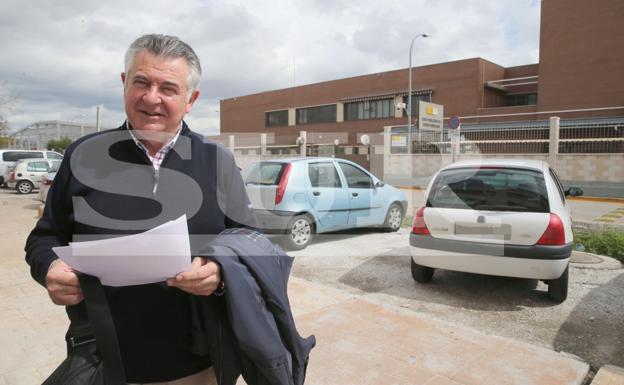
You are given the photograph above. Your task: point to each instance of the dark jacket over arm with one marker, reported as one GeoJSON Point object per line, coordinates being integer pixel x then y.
{"type": "Point", "coordinates": [268, 347]}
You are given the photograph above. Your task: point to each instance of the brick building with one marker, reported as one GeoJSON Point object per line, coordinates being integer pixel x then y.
{"type": "Point", "coordinates": [580, 74]}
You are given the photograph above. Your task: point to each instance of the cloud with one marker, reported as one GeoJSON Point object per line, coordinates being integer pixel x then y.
{"type": "Point", "coordinates": [63, 58]}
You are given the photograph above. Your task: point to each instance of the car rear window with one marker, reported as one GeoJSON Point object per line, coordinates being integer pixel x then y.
{"type": "Point", "coordinates": [494, 189]}
{"type": "Point", "coordinates": [56, 164]}
{"type": "Point", "coordinates": [265, 173]}
{"type": "Point", "coordinates": [14, 156]}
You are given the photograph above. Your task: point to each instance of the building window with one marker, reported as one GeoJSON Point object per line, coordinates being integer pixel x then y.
{"type": "Point", "coordinates": [320, 114]}
{"type": "Point", "coordinates": [369, 109]}
{"type": "Point", "coordinates": [521, 100]}
{"type": "Point", "coordinates": [415, 100]}
{"type": "Point", "coordinates": [277, 118]}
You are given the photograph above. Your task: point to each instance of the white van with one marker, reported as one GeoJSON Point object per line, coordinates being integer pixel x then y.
{"type": "Point", "coordinates": [8, 157]}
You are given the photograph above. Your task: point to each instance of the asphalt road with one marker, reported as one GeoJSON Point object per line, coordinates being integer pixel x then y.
{"type": "Point", "coordinates": [589, 324]}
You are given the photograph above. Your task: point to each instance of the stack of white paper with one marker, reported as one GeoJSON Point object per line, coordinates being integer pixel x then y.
{"type": "Point", "coordinates": [152, 256]}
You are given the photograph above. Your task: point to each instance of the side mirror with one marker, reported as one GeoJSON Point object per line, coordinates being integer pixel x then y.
{"type": "Point", "coordinates": [574, 192]}
{"type": "Point", "coordinates": [380, 184]}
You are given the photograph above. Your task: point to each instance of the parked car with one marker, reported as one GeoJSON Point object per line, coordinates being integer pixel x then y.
{"type": "Point", "coordinates": [497, 217]}
{"type": "Point", "coordinates": [306, 196]}
{"type": "Point", "coordinates": [8, 158]}
{"type": "Point", "coordinates": [46, 182]}
{"type": "Point", "coordinates": [26, 174]}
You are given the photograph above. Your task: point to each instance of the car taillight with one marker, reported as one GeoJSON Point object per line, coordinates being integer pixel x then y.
{"type": "Point", "coordinates": [419, 226]}
{"type": "Point", "coordinates": [46, 182]}
{"type": "Point", "coordinates": [554, 233]}
{"type": "Point", "coordinates": [12, 176]}
{"type": "Point", "coordinates": [281, 187]}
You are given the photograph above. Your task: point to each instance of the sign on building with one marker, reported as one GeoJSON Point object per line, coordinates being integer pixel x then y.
{"type": "Point", "coordinates": [398, 141]}
{"type": "Point", "coordinates": [431, 116]}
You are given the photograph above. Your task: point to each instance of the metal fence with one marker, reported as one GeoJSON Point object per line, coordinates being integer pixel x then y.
{"type": "Point", "coordinates": [531, 137]}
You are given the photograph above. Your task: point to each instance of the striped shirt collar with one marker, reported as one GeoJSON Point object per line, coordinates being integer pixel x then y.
{"type": "Point", "coordinates": [158, 158]}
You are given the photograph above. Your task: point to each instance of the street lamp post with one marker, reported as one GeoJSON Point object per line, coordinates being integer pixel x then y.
{"type": "Point", "coordinates": [409, 94]}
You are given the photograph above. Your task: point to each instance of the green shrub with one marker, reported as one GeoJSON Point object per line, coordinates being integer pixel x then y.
{"type": "Point", "coordinates": [59, 145]}
{"type": "Point", "coordinates": [607, 242]}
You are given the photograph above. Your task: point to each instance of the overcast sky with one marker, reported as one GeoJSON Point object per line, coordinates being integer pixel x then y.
{"type": "Point", "coordinates": [63, 58]}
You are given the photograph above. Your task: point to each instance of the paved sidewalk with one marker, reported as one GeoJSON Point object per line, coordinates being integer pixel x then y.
{"type": "Point", "coordinates": [364, 343]}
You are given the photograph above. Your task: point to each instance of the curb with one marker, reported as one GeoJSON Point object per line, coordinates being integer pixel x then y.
{"type": "Point", "coordinates": [593, 225]}
{"type": "Point", "coordinates": [609, 375]}
{"type": "Point", "coordinates": [597, 199]}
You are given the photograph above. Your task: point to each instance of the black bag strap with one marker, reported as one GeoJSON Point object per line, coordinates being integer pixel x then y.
{"type": "Point", "coordinates": [103, 329]}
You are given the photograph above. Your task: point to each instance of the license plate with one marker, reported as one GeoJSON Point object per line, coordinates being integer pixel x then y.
{"type": "Point", "coordinates": [484, 230]}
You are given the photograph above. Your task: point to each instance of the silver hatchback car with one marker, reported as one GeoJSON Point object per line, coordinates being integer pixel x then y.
{"type": "Point", "coordinates": [27, 174]}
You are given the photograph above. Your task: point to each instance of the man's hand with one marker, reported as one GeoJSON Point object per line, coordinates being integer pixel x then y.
{"type": "Point", "coordinates": [202, 278]}
{"type": "Point", "coordinates": [63, 285]}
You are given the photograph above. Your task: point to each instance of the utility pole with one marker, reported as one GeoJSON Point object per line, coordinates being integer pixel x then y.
{"type": "Point", "coordinates": [97, 119]}
{"type": "Point", "coordinates": [409, 95]}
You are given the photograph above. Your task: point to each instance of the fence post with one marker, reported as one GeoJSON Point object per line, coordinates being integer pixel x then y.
{"type": "Point", "coordinates": [303, 142]}
{"type": "Point", "coordinates": [386, 140]}
{"type": "Point", "coordinates": [263, 144]}
{"type": "Point", "coordinates": [553, 147]}
{"type": "Point", "coordinates": [231, 143]}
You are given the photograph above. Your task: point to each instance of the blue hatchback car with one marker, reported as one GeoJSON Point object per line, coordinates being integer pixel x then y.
{"type": "Point", "coordinates": [303, 196]}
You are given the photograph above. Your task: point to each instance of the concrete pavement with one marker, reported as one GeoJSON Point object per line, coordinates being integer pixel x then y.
{"type": "Point", "coordinates": [363, 343]}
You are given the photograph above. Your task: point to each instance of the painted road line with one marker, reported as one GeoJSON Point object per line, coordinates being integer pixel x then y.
{"type": "Point", "coordinates": [612, 216]}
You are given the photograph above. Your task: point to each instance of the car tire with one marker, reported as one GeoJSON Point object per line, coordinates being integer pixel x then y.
{"type": "Point", "coordinates": [394, 218]}
{"type": "Point", "coordinates": [421, 274]}
{"type": "Point", "coordinates": [299, 233]}
{"type": "Point", "coordinates": [24, 187]}
{"type": "Point", "coordinates": [558, 288]}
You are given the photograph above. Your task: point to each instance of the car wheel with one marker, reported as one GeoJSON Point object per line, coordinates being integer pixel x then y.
{"type": "Point", "coordinates": [394, 218]}
{"type": "Point", "coordinates": [558, 288]}
{"type": "Point", "coordinates": [421, 274]}
{"type": "Point", "coordinates": [299, 233]}
{"type": "Point", "coordinates": [24, 187]}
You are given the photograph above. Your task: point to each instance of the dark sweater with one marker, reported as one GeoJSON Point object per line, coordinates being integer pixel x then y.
{"type": "Point", "coordinates": [107, 187]}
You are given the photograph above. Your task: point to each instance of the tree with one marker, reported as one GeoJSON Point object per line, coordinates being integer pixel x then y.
{"type": "Point", "coordinates": [7, 101]}
{"type": "Point", "coordinates": [59, 145]}
{"type": "Point", "coordinates": [5, 141]}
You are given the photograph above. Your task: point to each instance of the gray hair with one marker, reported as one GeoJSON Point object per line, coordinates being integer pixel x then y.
{"type": "Point", "coordinates": [169, 47]}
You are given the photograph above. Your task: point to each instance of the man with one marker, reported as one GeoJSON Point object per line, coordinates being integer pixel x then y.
{"type": "Point", "coordinates": [150, 170]}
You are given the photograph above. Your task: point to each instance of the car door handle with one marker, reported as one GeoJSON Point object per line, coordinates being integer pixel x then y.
{"type": "Point", "coordinates": [354, 194]}
{"type": "Point", "coordinates": [316, 193]}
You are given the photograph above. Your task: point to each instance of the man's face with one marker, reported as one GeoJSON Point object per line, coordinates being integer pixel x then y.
{"type": "Point", "coordinates": [156, 93]}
